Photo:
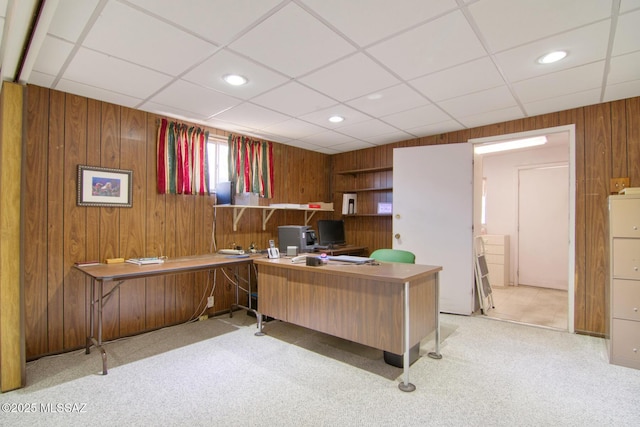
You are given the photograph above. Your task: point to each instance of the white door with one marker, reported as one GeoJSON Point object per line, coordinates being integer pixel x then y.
{"type": "Point", "coordinates": [433, 216]}
{"type": "Point", "coordinates": [543, 226]}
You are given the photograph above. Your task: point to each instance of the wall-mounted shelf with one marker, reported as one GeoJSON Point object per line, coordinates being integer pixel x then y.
{"type": "Point", "coordinates": [366, 170]}
{"type": "Point", "coordinates": [267, 212]}
{"type": "Point", "coordinates": [348, 215]}
{"type": "Point", "coordinates": [364, 190]}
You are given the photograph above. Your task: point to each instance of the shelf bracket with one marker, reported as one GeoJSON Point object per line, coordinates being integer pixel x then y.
{"type": "Point", "coordinates": [307, 216]}
{"type": "Point", "coordinates": [266, 214]}
{"type": "Point", "coordinates": [237, 214]}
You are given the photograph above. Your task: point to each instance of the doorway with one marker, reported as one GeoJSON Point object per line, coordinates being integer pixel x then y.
{"type": "Point", "coordinates": [504, 219]}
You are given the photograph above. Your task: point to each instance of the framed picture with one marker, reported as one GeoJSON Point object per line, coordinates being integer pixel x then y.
{"type": "Point", "coordinates": [385, 208]}
{"type": "Point", "coordinates": [104, 187]}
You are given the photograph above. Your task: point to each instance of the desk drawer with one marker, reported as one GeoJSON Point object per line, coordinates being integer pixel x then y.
{"type": "Point", "coordinates": [626, 299]}
{"type": "Point", "coordinates": [626, 258]}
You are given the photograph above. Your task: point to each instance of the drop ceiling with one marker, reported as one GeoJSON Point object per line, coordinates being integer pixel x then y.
{"type": "Point", "coordinates": [395, 70]}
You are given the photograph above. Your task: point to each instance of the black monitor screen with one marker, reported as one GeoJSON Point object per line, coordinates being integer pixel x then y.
{"type": "Point", "coordinates": [331, 232]}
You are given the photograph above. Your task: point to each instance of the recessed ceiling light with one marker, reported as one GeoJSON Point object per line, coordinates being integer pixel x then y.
{"type": "Point", "coordinates": [235, 79]}
{"type": "Point", "coordinates": [552, 57]}
{"type": "Point", "coordinates": [336, 119]}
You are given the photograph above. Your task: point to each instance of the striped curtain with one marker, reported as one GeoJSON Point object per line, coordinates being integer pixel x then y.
{"type": "Point", "coordinates": [251, 165]}
{"type": "Point", "coordinates": [182, 159]}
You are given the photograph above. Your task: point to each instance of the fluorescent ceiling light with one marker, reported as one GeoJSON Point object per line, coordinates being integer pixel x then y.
{"type": "Point", "coordinates": [510, 145]}
{"type": "Point", "coordinates": [336, 119]}
{"type": "Point", "coordinates": [235, 79]}
{"type": "Point", "coordinates": [552, 57]}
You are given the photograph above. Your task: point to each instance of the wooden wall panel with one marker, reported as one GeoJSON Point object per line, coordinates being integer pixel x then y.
{"type": "Point", "coordinates": [55, 223]}
{"type": "Point", "coordinates": [35, 253]}
{"type": "Point", "coordinates": [65, 130]}
{"type": "Point", "coordinates": [74, 227]}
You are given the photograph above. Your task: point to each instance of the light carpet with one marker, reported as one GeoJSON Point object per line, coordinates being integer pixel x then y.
{"type": "Point", "coordinates": [218, 373]}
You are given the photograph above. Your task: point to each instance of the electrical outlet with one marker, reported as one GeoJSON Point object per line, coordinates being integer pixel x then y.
{"type": "Point", "coordinates": [210, 302]}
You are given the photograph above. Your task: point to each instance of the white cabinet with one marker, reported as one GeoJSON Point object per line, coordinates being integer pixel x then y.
{"type": "Point", "coordinates": [623, 340]}
{"type": "Point", "coordinates": [496, 249]}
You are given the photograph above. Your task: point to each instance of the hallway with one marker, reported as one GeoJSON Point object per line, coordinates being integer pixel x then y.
{"type": "Point", "coordinates": [531, 305]}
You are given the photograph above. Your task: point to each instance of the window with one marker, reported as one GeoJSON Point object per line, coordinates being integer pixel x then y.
{"type": "Point", "coordinates": [218, 154]}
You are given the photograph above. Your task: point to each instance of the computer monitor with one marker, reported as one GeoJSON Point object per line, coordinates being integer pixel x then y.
{"type": "Point", "coordinates": [331, 232]}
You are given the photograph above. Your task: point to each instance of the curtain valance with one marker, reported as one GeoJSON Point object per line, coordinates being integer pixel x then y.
{"type": "Point", "coordinates": [251, 165]}
{"type": "Point", "coordinates": [182, 159]}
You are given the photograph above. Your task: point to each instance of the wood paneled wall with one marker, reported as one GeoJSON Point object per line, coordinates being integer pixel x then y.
{"type": "Point", "coordinates": [607, 146]}
{"type": "Point", "coordinates": [63, 131]}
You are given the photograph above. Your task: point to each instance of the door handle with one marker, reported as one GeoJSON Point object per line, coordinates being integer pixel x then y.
{"type": "Point", "coordinates": [397, 235]}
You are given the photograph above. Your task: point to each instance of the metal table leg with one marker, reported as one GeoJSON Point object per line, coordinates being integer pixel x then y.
{"type": "Point", "coordinates": [436, 354]}
{"type": "Point", "coordinates": [405, 385]}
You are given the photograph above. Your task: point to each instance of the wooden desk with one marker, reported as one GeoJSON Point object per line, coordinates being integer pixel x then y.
{"type": "Point", "coordinates": [388, 306]}
{"type": "Point", "coordinates": [107, 273]}
{"type": "Point", "coordinates": [345, 250]}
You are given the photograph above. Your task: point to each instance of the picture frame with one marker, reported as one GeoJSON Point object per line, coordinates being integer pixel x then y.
{"type": "Point", "coordinates": [105, 187]}
{"type": "Point", "coordinates": [385, 208]}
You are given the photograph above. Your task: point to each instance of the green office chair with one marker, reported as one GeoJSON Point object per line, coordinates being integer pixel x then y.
{"type": "Point", "coordinates": [405, 257]}
{"type": "Point", "coordinates": [394, 255]}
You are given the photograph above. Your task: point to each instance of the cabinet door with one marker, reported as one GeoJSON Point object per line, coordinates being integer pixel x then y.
{"type": "Point", "coordinates": [433, 216]}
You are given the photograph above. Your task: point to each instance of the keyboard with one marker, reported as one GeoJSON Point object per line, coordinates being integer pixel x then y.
{"type": "Point", "coordinates": [231, 251]}
{"type": "Point", "coordinates": [350, 258]}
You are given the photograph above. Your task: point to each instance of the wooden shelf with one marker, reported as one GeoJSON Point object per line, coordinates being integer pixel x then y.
{"type": "Point", "coordinates": [366, 170]}
{"type": "Point", "coordinates": [354, 215]}
{"type": "Point", "coordinates": [364, 190]}
{"type": "Point", "coordinates": [267, 211]}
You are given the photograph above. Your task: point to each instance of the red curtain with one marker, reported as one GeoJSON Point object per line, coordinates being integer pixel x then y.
{"type": "Point", "coordinates": [182, 159]}
{"type": "Point", "coordinates": [251, 165]}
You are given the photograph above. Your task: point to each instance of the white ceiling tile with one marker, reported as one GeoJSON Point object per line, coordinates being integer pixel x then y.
{"type": "Point", "coordinates": [436, 128]}
{"type": "Point", "coordinates": [350, 78]}
{"type": "Point", "coordinates": [387, 101]}
{"type": "Point", "coordinates": [584, 45]}
{"type": "Point", "coordinates": [487, 100]}
{"type": "Point", "coordinates": [624, 68]}
{"type": "Point", "coordinates": [293, 128]}
{"type": "Point", "coordinates": [70, 18]}
{"type": "Point", "coordinates": [383, 17]}
{"type": "Point", "coordinates": [293, 99]}
{"type": "Point", "coordinates": [366, 129]}
{"type": "Point", "coordinates": [466, 78]}
{"type": "Point", "coordinates": [210, 74]}
{"type": "Point", "coordinates": [352, 146]}
{"type": "Point", "coordinates": [189, 97]}
{"type": "Point", "coordinates": [53, 54]}
{"type": "Point", "coordinates": [292, 42]}
{"type": "Point", "coordinates": [126, 33]}
{"type": "Point", "coordinates": [627, 5]}
{"type": "Point", "coordinates": [627, 37]}
{"type": "Point", "coordinates": [563, 102]}
{"type": "Point", "coordinates": [417, 117]}
{"type": "Point", "coordinates": [321, 117]}
{"type": "Point", "coordinates": [495, 116]}
{"type": "Point", "coordinates": [437, 45]}
{"type": "Point", "coordinates": [114, 75]}
{"type": "Point", "coordinates": [564, 82]}
{"type": "Point", "coordinates": [388, 138]}
{"type": "Point", "coordinates": [624, 90]}
{"type": "Point", "coordinates": [40, 79]}
{"type": "Point", "coordinates": [508, 23]}
{"type": "Point", "coordinates": [327, 139]}
{"type": "Point", "coordinates": [96, 93]}
{"type": "Point", "coordinates": [217, 21]}
{"type": "Point", "coordinates": [251, 116]}
{"type": "Point", "coordinates": [172, 111]}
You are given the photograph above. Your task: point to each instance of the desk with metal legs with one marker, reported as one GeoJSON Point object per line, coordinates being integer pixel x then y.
{"type": "Point", "coordinates": [388, 306]}
{"type": "Point", "coordinates": [102, 274]}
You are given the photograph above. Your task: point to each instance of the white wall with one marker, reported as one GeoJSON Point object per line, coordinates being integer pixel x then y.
{"type": "Point", "coordinates": [501, 173]}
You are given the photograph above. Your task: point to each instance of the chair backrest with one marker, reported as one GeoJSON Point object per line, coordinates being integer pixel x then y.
{"type": "Point", "coordinates": [393, 255]}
